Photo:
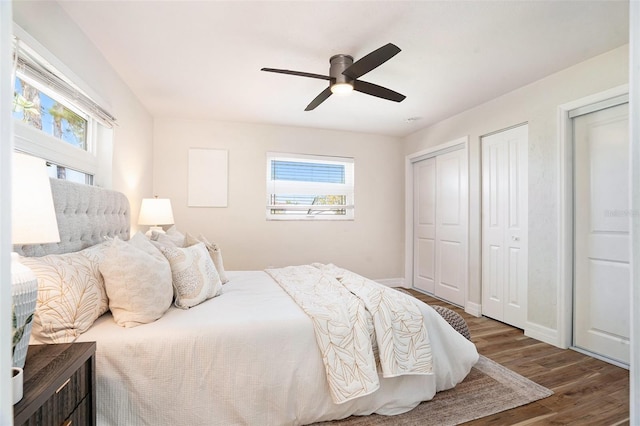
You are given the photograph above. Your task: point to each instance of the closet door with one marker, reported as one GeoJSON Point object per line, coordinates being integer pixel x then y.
{"type": "Point", "coordinates": [504, 226]}
{"type": "Point", "coordinates": [440, 224]}
{"type": "Point", "coordinates": [602, 239]}
{"type": "Point", "coordinates": [424, 228]}
{"type": "Point", "coordinates": [451, 227]}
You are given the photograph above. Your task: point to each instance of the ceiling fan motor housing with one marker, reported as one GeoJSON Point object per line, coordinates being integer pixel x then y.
{"type": "Point", "coordinates": [339, 63]}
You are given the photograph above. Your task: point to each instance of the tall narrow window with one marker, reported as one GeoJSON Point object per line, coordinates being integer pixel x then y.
{"type": "Point", "coordinates": [309, 187]}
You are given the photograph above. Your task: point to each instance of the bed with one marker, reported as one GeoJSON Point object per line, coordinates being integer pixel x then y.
{"type": "Point", "coordinates": [248, 356]}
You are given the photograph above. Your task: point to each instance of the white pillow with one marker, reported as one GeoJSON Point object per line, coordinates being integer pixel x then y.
{"type": "Point", "coordinates": [138, 281]}
{"type": "Point", "coordinates": [214, 252]}
{"type": "Point", "coordinates": [71, 294]}
{"type": "Point", "coordinates": [195, 278]}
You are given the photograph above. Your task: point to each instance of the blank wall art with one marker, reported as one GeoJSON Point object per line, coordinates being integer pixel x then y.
{"type": "Point", "coordinates": [208, 174]}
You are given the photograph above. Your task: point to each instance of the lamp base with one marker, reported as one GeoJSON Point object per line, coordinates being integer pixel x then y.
{"type": "Point", "coordinates": [17, 380]}
{"type": "Point", "coordinates": [158, 229]}
{"type": "Point", "coordinates": [24, 293]}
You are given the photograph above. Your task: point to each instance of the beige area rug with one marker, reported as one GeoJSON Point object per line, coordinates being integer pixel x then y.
{"type": "Point", "coordinates": [488, 389]}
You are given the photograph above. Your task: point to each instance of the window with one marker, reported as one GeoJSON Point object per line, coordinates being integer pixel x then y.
{"type": "Point", "coordinates": [55, 119]}
{"type": "Point", "coordinates": [309, 187]}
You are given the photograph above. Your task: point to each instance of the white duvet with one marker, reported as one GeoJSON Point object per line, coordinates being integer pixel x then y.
{"type": "Point", "coordinates": [247, 357]}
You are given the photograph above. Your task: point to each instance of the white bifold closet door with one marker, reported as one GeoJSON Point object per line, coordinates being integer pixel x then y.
{"type": "Point", "coordinates": [601, 222]}
{"type": "Point", "coordinates": [504, 226]}
{"type": "Point", "coordinates": [440, 225]}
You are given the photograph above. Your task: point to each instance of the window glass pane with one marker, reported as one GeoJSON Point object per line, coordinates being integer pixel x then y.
{"type": "Point", "coordinates": [39, 110]}
{"type": "Point", "coordinates": [309, 200]}
{"type": "Point", "coordinates": [304, 205]}
{"type": "Point", "coordinates": [66, 173]}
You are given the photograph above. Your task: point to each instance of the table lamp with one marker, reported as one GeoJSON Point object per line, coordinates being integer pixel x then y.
{"type": "Point", "coordinates": [155, 212]}
{"type": "Point", "coordinates": [33, 221]}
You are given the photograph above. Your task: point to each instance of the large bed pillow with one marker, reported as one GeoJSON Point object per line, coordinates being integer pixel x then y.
{"type": "Point", "coordinates": [214, 252]}
{"type": "Point", "coordinates": [137, 279]}
{"type": "Point", "coordinates": [195, 278]}
{"type": "Point", "coordinates": [71, 294]}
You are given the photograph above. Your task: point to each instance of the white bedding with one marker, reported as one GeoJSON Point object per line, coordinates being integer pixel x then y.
{"type": "Point", "coordinates": [247, 357]}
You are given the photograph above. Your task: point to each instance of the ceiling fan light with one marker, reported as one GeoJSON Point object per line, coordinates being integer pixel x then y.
{"type": "Point", "coordinates": [341, 88]}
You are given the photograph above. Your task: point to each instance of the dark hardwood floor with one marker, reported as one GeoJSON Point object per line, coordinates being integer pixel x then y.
{"type": "Point", "coordinates": [587, 391]}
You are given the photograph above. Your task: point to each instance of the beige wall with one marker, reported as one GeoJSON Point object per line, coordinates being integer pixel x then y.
{"type": "Point", "coordinates": [536, 104]}
{"type": "Point", "coordinates": [371, 245]}
{"type": "Point", "coordinates": [132, 138]}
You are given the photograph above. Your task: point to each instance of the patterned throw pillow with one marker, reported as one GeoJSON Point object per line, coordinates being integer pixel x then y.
{"type": "Point", "coordinates": [71, 294]}
{"type": "Point", "coordinates": [195, 278]}
{"type": "Point", "coordinates": [138, 281]}
{"type": "Point", "coordinates": [214, 252]}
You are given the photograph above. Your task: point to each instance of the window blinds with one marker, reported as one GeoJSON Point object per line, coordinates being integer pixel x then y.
{"type": "Point", "coordinates": [33, 67]}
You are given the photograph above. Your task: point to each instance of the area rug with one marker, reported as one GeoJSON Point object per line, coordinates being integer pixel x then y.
{"type": "Point", "coordinates": [488, 389]}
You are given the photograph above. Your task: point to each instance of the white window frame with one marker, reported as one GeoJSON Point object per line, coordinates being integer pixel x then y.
{"type": "Point", "coordinates": [311, 188]}
{"type": "Point", "coordinates": [96, 159]}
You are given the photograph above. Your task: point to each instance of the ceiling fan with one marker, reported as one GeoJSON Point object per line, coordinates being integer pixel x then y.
{"type": "Point", "coordinates": [344, 74]}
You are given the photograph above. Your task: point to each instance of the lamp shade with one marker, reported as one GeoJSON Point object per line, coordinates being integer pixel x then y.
{"type": "Point", "coordinates": [155, 211]}
{"type": "Point", "coordinates": [33, 217]}
{"type": "Point", "coordinates": [33, 221]}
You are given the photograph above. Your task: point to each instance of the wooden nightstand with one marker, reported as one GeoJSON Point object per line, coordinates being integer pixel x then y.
{"type": "Point", "coordinates": [59, 386]}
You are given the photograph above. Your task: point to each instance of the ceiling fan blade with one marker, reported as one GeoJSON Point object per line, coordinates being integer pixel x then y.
{"type": "Point", "coordinates": [378, 91]}
{"type": "Point", "coordinates": [371, 61]}
{"type": "Point", "coordinates": [319, 99]}
{"type": "Point", "coordinates": [298, 73]}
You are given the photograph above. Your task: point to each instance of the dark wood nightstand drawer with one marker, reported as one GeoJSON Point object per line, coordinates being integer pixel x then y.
{"type": "Point", "coordinates": [81, 415]}
{"type": "Point", "coordinates": [71, 394]}
{"type": "Point", "coordinates": [59, 386]}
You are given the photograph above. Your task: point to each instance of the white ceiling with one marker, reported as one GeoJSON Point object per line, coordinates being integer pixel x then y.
{"type": "Point", "coordinates": [202, 59]}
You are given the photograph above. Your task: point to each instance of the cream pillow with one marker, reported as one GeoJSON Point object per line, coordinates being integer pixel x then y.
{"type": "Point", "coordinates": [140, 241]}
{"type": "Point", "coordinates": [71, 294]}
{"type": "Point", "coordinates": [162, 240]}
{"type": "Point", "coordinates": [195, 278]}
{"type": "Point", "coordinates": [138, 281]}
{"type": "Point", "coordinates": [170, 238]}
{"type": "Point", "coordinates": [214, 252]}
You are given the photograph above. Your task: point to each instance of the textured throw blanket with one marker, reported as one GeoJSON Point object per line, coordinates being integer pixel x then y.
{"type": "Point", "coordinates": [354, 318]}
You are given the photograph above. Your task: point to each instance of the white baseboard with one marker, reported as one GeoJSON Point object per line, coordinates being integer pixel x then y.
{"type": "Point", "coordinates": [392, 282]}
{"type": "Point", "coordinates": [474, 309]}
{"type": "Point", "coordinates": [544, 334]}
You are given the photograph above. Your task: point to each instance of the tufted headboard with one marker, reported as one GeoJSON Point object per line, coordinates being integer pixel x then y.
{"type": "Point", "coordinates": [86, 214]}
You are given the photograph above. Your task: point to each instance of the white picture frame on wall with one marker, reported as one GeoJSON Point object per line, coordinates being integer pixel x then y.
{"type": "Point", "coordinates": [208, 177]}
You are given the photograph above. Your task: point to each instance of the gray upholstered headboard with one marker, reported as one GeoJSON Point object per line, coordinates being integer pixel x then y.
{"type": "Point", "coordinates": [86, 214]}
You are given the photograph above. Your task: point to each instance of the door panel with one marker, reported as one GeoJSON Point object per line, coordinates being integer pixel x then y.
{"type": "Point", "coordinates": [601, 222]}
{"type": "Point", "coordinates": [425, 264]}
{"type": "Point", "coordinates": [451, 227]}
{"type": "Point", "coordinates": [504, 226]}
{"type": "Point", "coordinates": [424, 213]}
{"type": "Point", "coordinates": [514, 296]}
{"type": "Point", "coordinates": [493, 288]}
